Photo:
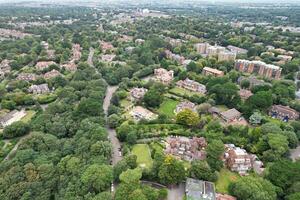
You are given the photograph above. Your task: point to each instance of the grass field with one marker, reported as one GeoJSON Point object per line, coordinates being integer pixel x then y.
{"type": "Point", "coordinates": [225, 178]}
{"type": "Point", "coordinates": [28, 116]}
{"type": "Point", "coordinates": [168, 107]}
{"type": "Point", "coordinates": [183, 92]}
{"type": "Point", "coordinates": [143, 154]}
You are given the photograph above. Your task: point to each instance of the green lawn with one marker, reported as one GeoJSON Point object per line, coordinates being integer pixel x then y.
{"type": "Point", "coordinates": [183, 92]}
{"type": "Point", "coordinates": [225, 178]}
{"type": "Point", "coordinates": [143, 154]}
{"type": "Point", "coordinates": [222, 107]}
{"type": "Point", "coordinates": [28, 116]}
{"type": "Point", "coordinates": [125, 103]}
{"type": "Point", "coordinates": [168, 107]}
{"type": "Point", "coordinates": [157, 146]}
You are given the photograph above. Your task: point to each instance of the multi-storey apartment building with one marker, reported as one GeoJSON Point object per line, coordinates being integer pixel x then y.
{"type": "Point", "coordinates": [258, 67]}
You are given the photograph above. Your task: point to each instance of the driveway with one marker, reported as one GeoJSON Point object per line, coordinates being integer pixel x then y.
{"type": "Point", "coordinates": [176, 192]}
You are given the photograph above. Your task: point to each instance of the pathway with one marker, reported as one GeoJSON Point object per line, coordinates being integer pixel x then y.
{"type": "Point", "coordinates": [13, 151]}
{"type": "Point", "coordinates": [295, 153]}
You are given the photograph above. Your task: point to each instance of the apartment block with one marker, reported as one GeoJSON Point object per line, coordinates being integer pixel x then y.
{"type": "Point", "coordinates": [258, 67]}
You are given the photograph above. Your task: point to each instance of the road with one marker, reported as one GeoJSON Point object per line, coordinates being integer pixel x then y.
{"type": "Point", "coordinates": [112, 132]}
{"type": "Point", "coordinates": [176, 192]}
{"type": "Point", "coordinates": [90, 57]}
{"type": "Point", "coordinates": [13, 151]}
{"type": "Point", "coordinates": [295, 153]}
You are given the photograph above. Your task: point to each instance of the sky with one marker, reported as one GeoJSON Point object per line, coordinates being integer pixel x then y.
{"type": "Point", "coordinates": [167, 1]}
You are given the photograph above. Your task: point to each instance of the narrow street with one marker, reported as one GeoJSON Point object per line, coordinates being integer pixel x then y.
{"type": "Point", "coordinates": [176, 192]}
{"type": "Point", "coordinates": [90, 58]}
{"type": "Point", "coordinates": [112, 132]}
{"type": "Point", "coordinates": [13, 151]}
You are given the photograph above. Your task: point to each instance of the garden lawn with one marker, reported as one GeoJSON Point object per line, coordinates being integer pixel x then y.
{"type": "Point", "coordinates": [28, 116]}
{"type": "Point", "coordinates": [225, 178]}
{"type": "Point", "coordinates": [183, 92]}
{"type": "Point", "coordinates": [167, 107]}
{"type": "Point", "coordinates": [142, 151]}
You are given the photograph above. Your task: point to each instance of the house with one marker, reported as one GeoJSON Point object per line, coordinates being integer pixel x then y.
{"type": "Point", "coordinates": [139, 41]}
{"type": "Point", "coordinates": [139, 113]}
{"type": "Point", "coordinates": [27, 77]}
{"type": "Point", "coordinates": [4, 68]}
{"type": "Point", "coordinates": [237, 159]}
{"type": "Point", "coordinates": [179, 59]}
{"type": "Point", "coordinates": [76, 52]}
{"type": "Point", "coordinates": [174, 42]}
{"type": "Point", "coordinates": [129, 49]}
{"type": "Point", "coordinates": [185, 105]}
{"type": "Point", "coordinates": [106, 46]}
{"type": "Point", "coordinates": [39, 89]}
{"type": "Point", "coordinates": [12, 117]}
{"type": "Point", "coordinates": [285, 58]}
{"type": "Point", "coordinates": [136, 94]}
{"type": "Point", "coordinates": [44, 64]}
{"type": "Point", "coordinates": [186, 62]}
{"type": "Point", "coordinates": [253, 81]}
{"type": "Point", "coordinates": [108, 57]}
{"type": "Point", "coordinates": [284, 113]}
{"type": "Point", "coordinates": [185, 148]}
{"type": "Point", "coordinates": [211, 71]}
{"type": "Point", "coordinates": [164, 76]}
{"type": "Point", "coordinates": [125, 38]}
{"type": "Point", "coordinates": [53, 73]}
{"type": "Point", "coordinates": [199, 190]}
{"type": "Point", "coordinates": [237, 50]}
{"type": "Point", "coordinates": [230, 115]}
{"type": "Point", "coordinates": [70, 66]}
{"type": "Point", "coordinates": [245, 94]}
{"type": "Point", "coordinates": [191, 85]}
{"type": "Point", "coordinates": [258, 67]}
{"type": "Point", "coordinates": [224, 197]}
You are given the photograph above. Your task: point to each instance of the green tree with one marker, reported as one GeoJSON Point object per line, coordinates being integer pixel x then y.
{"type": "Point", "coordinates": [188, 118]}
{"type": "Point", "coordinates": [152, 98]}
{"type": "Point", "coordinates": [97, 177]}
{"type": "Point", "coordinates": [16, 129]}
{"type": "Point", "coordinates": [171, 171]}
{"type": "Point", "coordinates": [252, 188]}
{"type": "Point", "coordinates": [215, 149]}
{"type": "Point", "coordinates": [201, 170]}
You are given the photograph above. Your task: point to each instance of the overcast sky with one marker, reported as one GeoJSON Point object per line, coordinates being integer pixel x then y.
{"type": "Point", "coordinates": [168, 1]}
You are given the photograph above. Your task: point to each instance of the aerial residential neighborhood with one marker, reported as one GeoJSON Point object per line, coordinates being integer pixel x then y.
{"type": "Point", "coordinates": [149, 100]}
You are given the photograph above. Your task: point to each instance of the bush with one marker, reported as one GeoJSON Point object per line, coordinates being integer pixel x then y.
{"type": "Point", "coordinates": [16, 129]}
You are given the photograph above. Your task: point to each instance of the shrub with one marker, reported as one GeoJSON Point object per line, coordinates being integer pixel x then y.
{"type": "Point", "coordinates": [16, 129]}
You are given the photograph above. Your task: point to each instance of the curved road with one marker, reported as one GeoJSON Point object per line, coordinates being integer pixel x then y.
{"type": "Point", "coordinates": [116, 156]}
{"type": "Point", "coordinates": [116, 145]}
